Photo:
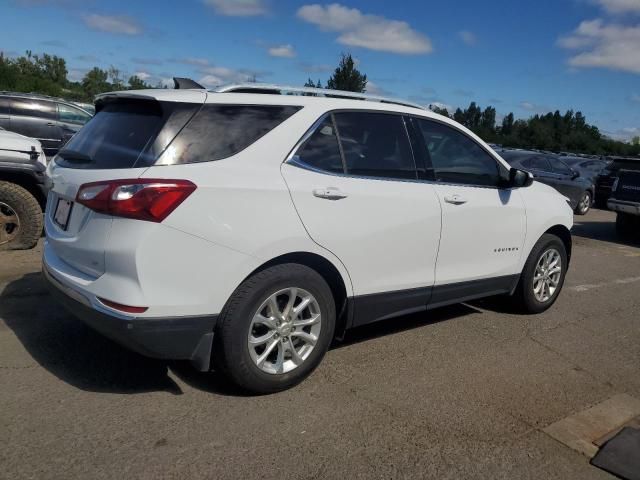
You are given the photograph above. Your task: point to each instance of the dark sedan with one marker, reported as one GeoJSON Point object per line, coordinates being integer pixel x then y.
{"type": "Point", "coordinates": [549, 169]}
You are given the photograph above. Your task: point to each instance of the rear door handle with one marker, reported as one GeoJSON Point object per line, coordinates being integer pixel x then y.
{"type": "Point", "coordinates": [455, 199]}
{"type": "Point", "coordinates": [51, 124]}
{"type": "Point", "coordinates": [329, 193]}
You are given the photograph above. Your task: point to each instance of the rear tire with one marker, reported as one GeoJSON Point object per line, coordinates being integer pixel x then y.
{"type": "Point", "coordinates": [249, 317]}
{"type": "Point", "coordinates": [584, 205]}
{"type": "Point", "coordinates": [539, 285]}
{"type": "Point", "coordinates": [20, 218]}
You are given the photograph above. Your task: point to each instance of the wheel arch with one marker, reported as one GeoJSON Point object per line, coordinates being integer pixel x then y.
{"type": "Point", "coordinates": [26, 181]}
{"type": "Point", "coordinates": [327, 270]}
{"type": "Point", "coordinates": [564, 234]}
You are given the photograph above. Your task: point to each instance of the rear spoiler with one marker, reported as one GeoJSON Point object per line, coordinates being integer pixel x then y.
{"type": "Point", "coordinates": [185, 83]}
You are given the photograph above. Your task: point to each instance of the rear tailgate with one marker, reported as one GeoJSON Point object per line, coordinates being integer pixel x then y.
{"type": "Point", "coordinates": [125, 137]}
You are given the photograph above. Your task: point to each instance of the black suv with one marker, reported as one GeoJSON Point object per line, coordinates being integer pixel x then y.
{"type": "Point", "coordinates": [625, 195]}
{"type": "Point", "coordinates": [50, 120]}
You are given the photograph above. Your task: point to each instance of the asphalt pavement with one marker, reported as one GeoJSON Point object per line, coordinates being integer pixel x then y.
{"type": "Point", "coordinates": [461, 392]}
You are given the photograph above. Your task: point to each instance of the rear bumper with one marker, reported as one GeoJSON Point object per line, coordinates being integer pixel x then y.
{"type": "Point", "coordinates": [175, 338]}
{"type": "Point", "coordinates": [623, 206]}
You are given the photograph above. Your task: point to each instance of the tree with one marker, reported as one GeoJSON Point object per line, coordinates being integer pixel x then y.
{"type": "Point", "coordinates": [507, 125]}
{"type": "Point", "coordinates": [347, 77]}
{"type": "Point", "coordinates": [95, 82]}
{"type": "Point", "coordinates": [458, 116]}
{"type": "Point", "coordinates": [310, 84]}
{"type": "Point", "coordinates": [136, 83]}
{"type": "Point", "coordinates": [635, 140]}
{"type": "Point", "coordinates": [117, 82]}
{"type": "Point", "coordinates": [439, 110]}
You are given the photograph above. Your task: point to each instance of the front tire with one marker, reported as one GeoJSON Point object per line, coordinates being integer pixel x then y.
{"type": "Point", "coordinates": [543, 275]}
{"type": "Point", "coordinates": [584, 205]}
{"type": "Point", "coordinates": [275, 329]}
{"type": "Point", "coordinates": [20, 218]}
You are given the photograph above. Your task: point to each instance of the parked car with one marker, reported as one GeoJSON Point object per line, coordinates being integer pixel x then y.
{"type": "Point", "coordinates": [52, 121]}
{"type": "Point", "coordinates": [625, 196]}
{"type": "Point", "coordinates": [22, 190]}
{"type": "Point", "coordinates": [549, 169]}
{"type": "Point", "coordinates": [244, 231]}
{"type": "Point", "coordinates": [588, 168]}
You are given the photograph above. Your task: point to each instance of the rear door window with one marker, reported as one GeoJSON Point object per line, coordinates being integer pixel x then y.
{"type": "Point", "coordinates": [375, 145]}
{"type": "Point", "coordinates": [321, 150]}
{"type": "Point", "coordinates": [4, 106]}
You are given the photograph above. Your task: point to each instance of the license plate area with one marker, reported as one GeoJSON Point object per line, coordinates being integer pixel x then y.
{"type": "Point", "coordinates": [63, 213]}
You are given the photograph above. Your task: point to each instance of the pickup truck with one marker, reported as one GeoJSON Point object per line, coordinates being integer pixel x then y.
{"type": "Point", "coordinates": [625, 196]}
{"type": "Point", "coordinates": [23, 190]}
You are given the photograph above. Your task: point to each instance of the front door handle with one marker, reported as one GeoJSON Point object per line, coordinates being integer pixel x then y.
{"type": "Point", "coordinates": [329, 193]}
{"type": "Point", "coordinates": [51, 124]}
{"type": "Point", "coordinates": [455, 199]}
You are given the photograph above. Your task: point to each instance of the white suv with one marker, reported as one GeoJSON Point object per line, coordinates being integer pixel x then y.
{"type": "Point", "coordinates": [245, 229]}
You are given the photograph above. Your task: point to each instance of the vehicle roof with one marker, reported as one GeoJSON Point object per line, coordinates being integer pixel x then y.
{"type": "Point", "coordinates": [39, 96]}
{"type": "Point", "coordinates": [319, 104]}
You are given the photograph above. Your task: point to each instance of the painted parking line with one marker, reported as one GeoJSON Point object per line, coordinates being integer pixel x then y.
{"type": "Point", "coordinates": [591, 286]}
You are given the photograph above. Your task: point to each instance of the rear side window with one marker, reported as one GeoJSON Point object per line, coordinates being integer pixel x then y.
{"type": "Point", "coordinates": [321, 150]}
{"type": "Point", "coordinates": [220, 131]}
{"type": "Point", "coordinates": [375, 145]}
{"type": "Point", "coordinates": [33, 108]}
{"type": "Point", "coordinates": [126, 134]}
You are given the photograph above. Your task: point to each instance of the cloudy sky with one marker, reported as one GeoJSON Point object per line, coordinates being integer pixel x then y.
{"type": "Point", "coordinates": [521, 56]}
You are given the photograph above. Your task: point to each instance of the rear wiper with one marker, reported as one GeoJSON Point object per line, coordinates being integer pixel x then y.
{"type": "Point", "coordinates": [75, 156]}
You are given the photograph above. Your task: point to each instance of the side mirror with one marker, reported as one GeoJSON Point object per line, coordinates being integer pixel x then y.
{"type": "Point", "coordinates": [519, 178]}
{"type": "Point", "coordinates": [574, 174]}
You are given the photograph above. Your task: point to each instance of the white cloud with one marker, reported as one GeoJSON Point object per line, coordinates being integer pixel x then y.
{"type": "Point", "coordinates": [359, 29]}
{"type": "Point", "coordinates": [604, 45]}
{"type": "Point", "coordinates": [112, 24]}
{"type": "Point", "coordinates": [375, 89]}
{"type": "Point", "coordinates": [468, 37]}
{"type": "Point", "coordinates": [285, 51]}
{"type": "Point", "coordinates": [143, 75]}
{"type": "Point", "coordinates": [238, 8]}
{"type": "Point", "coordinates": [441, 105]}
{"type": "Point", "coordinates": [624, 134]}
{"type": "Point", "coordinates": [197, 61]}
{"type": "Point", "coordinates": [216, 76]}
{"type": "Point", "coordinates": [619, 6]}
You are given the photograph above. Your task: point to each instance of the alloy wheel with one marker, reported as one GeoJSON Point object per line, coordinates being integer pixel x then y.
{"type": "Point", "coordinates": [9, 223]}
{"type": "Point", "coordinates": [548, 273]}
{"type": "Point", "coordinates": [284, 331]}
{"type": "Point", "coordinates": [585, 203]}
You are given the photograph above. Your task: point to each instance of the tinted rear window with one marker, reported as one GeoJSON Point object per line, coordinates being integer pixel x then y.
{"type": "Point", "coordinates": [221, 131]}
{"type": "Point", "coordinates": [126, 134]}
{"type": "Point", "coordinates": [129, 134]}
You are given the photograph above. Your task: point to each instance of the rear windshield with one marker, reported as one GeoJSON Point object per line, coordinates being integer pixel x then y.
{"type": "Point", "coordinates": [128, 134]}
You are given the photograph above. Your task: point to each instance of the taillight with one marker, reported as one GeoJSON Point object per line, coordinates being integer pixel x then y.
{"type": "Point", "coordinates": [141, 198]}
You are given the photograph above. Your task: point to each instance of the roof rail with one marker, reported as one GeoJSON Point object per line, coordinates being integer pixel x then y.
{"type": "Point", "coordinates": [265, 88]}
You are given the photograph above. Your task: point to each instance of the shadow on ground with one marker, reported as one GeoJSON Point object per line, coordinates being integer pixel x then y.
{"type": "Point", "coordinates": [77, 355]}
{"type": "Point", "coordinates": [603, 231]}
